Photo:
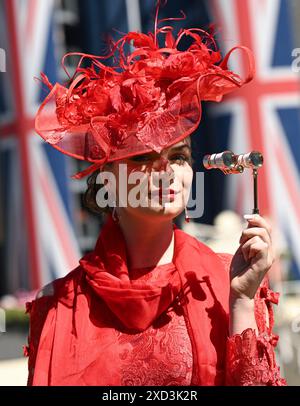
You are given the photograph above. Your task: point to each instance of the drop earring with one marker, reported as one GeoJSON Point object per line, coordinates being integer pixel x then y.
{"type": "Point", "coordinates": [114, 215]}
{"type": "Point", "coordinates": [187, 218]}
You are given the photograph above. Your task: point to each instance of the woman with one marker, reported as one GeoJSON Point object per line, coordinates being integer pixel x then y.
{"type": "Point", "coordinates": [150, 305]}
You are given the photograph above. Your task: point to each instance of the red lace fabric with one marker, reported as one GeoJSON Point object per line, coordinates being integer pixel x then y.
{"type": "Point", "coordinates": [162, 354]}
{"type": "Point", "coordinates": [251, 358]}
{"type": "Point", "coordinates": [75, 339]}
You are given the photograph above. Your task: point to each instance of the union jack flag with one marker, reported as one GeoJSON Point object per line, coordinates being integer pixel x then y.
{"type": "Point", "coordinates": [264, 115]}
{"type": "Point", "coordinates": [38, 242]}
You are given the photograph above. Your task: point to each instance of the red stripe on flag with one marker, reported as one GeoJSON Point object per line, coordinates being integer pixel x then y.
{"type": "Point", "coordinates": [259, 88]}
{"type": "Point", "coordinates": [253, 92]}
{"type": "Point", "coordinates": [30, 18]}
{"type": "Point", "coordinates": [11, 129]}
{"type": "Point", "coordinates": [23, 142]}
{"type": "Point", "coordinates": [58, 220]}
{"type": "Point", "coordinates": [255, 124]}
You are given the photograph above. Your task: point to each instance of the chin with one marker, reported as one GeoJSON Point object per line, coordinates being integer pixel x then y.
{"type": "Point", "coordinates": [161, 212]}
{"type": "Point", "coordinates": [158, 210]}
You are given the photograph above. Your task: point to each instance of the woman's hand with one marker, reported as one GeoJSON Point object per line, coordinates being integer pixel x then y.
{"type": "Point", "coordinates": [253, 258]}
{"type": "Point", "coordinates": [249, 265]}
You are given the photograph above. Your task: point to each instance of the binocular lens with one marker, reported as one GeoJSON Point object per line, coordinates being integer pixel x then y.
{"type": "Point", "coordinates": [253, 159]}
{"type": "Point", "coordinates": [257, 159]}
{"type": "Point", "coordinates": [223, 160]}
{"type": "Point", "coordinates": [228, 160]}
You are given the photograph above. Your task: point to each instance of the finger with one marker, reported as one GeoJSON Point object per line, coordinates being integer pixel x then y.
{"type": "Point", "coordinates": [255, 220]}
{"type": "Point", "coordinates": [253, 246]}
{"type": "Point", "coordinates": [255, 231]}
{"type": "Point", "coordinates": [258, 248]}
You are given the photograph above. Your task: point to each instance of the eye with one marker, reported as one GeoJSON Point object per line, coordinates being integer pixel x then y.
{"type": "Point", "coordinates": [140, 158]}
{"type": "Point", "coordinates": [180, 158]}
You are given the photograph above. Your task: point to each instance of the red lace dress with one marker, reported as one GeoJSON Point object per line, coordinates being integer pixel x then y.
{"type": "Point", "coordinates": [162, 354]}
{"type": "Point", "coordinates": [105, 324]}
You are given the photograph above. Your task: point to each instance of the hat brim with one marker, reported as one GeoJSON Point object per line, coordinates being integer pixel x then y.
{"type": "Point", "coordinates": [90, 141]}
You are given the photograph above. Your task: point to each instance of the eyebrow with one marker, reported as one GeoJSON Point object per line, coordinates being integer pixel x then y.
{"type": "Point", "coordinates": [180, 147]}
{"type": "Point", "coordinates": [171, 150]}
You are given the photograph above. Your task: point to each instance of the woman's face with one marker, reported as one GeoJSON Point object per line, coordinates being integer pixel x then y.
{"type": "Point", "coordinates": [164, 182]}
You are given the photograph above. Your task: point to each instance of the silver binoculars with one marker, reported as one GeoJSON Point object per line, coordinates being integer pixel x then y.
{"type": "Point", "coordinates": [230, 163]}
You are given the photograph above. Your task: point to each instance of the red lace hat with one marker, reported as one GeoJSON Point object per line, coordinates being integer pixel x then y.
{"type": "Point", "coordinates": [149, 100]}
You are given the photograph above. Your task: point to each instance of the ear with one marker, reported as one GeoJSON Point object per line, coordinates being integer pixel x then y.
{"type": "Point", "coordinates": [108, 179]}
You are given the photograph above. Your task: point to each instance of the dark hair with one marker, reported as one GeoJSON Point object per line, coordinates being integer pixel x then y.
{"type": "Point", "coordinates": [89, 197]}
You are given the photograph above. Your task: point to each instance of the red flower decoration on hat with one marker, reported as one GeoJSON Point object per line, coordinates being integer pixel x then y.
{"type": "Point", "coordinates": [148, 101]}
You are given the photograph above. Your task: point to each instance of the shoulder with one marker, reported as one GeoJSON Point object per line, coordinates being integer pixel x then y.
{"type": "Point", "coordinates": [47, 298]}
{"type": "Point", "coordinates": [226, 259]}
{"type": "Point", "coordinates": [47, 290]}
{"type": "Point", "coordinates": [61, 285]}
{"type": "Point", "coordinates": [42, 310]}
{"type": "Point", "coordinates": [200, 246]}
{"type": "Point", "coordinates": [216, 264]}
{"type": "Point", "coordinates": [209, 267]}
{"type": "Point", "coordinates": [61, 289]}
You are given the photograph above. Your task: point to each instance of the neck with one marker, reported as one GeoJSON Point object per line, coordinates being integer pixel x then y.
{"type": "Point", "coordinates": [148, 243]}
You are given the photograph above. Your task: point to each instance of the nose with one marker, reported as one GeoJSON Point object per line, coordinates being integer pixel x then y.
{"type": "Point", "coordinates": [162, 165]}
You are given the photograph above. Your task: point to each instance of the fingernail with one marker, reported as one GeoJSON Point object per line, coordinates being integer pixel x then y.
{"type": "Point", "coordinates": [249, 216]}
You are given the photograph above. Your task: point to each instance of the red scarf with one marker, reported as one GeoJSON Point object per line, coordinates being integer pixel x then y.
{"type": "Point", "coordinates": [137, 304]}
{"type": "Point", "coordinates": [78, 339]}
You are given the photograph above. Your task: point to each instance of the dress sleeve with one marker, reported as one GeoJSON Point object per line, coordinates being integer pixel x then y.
{"type": "Point", "coordinates": [250, 357]}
